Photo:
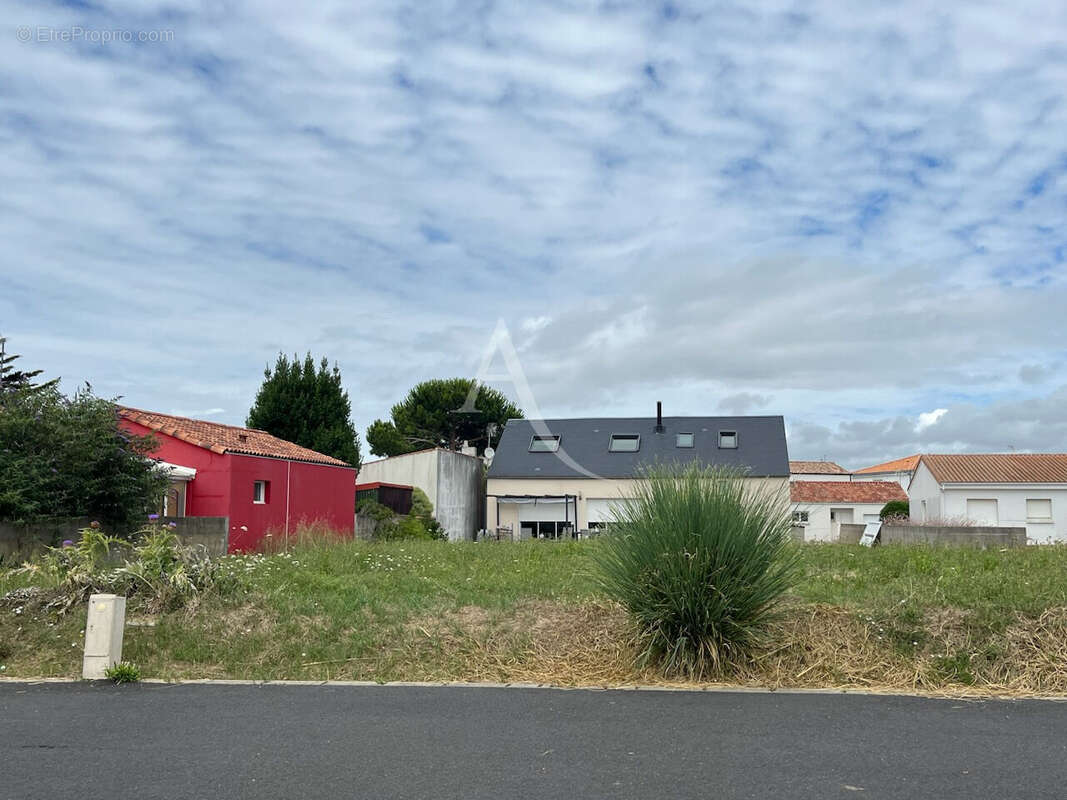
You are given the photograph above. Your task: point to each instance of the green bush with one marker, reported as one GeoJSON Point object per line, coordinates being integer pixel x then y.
{"type": "Point", "coordinates": [895, 508]}
{"type": "Point", "coordinates": [156, 570]}
{"type": "Point", "coordinates": [68, 457]}
{"type": "Point", "coordinates": [123, 672]}
{"type": "Point", "coordinates": [420, 503]}
{"type": "Point", "coordinates": [700, 561]}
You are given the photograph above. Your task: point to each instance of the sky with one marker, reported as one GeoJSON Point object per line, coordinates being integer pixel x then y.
{"type": "Point", "coordinates": [853, 217]}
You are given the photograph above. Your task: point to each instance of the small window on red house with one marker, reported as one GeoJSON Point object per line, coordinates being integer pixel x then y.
{"type": "Point", "coordinates": [261, 491]}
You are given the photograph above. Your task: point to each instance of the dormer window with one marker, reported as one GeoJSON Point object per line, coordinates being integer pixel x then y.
{"type": "Point", "coordinates": [728, 440]}
{"type": "Point", "coordinates": [685, 440]}
{"type": "Point", "coordinates": [625, 442]}
{"type": "Point", "coordinates": [544, 443]}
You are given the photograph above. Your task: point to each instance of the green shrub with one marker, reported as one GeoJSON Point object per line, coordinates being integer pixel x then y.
{"type": "Point", "coordinates": [157, 570]}
{"type": "Point", "coordinates": [123, 672]}
{"type": "Point", "coordinates": [894, 508]}
{"type": "Point", "coordinates": [420, 503]}
{"type": "Point", "coordinates": [699, 560]}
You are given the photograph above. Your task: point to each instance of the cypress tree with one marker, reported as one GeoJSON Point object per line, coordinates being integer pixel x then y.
{"type": "Point", "coordinates": [307, 406]}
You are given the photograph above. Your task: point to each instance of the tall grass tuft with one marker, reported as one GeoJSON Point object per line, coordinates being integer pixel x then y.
{"type": "Point", "coordinates": [700, 560]}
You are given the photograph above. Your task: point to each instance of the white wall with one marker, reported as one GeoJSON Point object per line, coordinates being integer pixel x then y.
{"type": "Point", "coordinates": [819, 527]}
{"type": "Point", "coordinates": [411, 469]}
{"type": "Point", "coordinates": [903, 478]}
{"type": "Point", "coordinates": [811, 476]}
{"type": "Point", "coordinates": [1011, 507]}
{"type": "Point", "coordinates": [950, 502]}
{"type": "Point", "coordinates": [924, 488]}
{"type": "Point", "coordinates": [452, 481]}
{"type": "Point", "coordinates": [587, 490]}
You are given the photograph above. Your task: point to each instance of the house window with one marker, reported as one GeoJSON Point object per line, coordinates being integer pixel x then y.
{"type": "Point", "coordinates": [1039, 510]}
{"type": "Point", "coordinates": [800, 517]}
{"type": "Point", "coordinates": [260, 491]}
{"type": "Point", "coordinates": [544, 444]}
{"type": "Point", "coordinates": [728, 440]}
{"type": "Point", "coordinates": [685, 440]}
{"type": "Point", "coordinates": [982, 511]}
{"type": "Point", "coordinates": [625, 442]}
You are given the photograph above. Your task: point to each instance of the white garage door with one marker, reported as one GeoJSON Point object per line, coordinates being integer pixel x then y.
{"type": "Point", "coordinates": [600, 509]}
{"type": "Point", "coordinates": [984, 512]}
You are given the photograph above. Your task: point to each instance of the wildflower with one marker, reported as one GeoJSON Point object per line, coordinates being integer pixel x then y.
{"type": "Point", "coordinates": [153, 517]}
{"type": "Point", "coordinates": [94, 525]}
{"type": "Point", "coordinates": [172, 524]}
{"type": "Point", "coordinates": [68, 543]}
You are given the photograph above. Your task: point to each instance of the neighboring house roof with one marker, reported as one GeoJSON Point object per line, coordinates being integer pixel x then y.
{"type": "Point", "coordinates": [998, 468]}
{"type": "Point", "coordinates": [845, 491]}
{"type": "Point", "coordinates": [816, 468]}
{"type": "Point", "coordinates": [899, 465]}
{"type": "Point", "coordinates": [219, 438]}
{"type": "Point", "coordinates": [761, 446]}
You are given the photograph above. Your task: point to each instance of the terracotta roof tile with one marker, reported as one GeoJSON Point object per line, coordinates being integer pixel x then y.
{"type": "Point", "coordinates": [899, 465]}
{"type": "Point", "coordinates": [219, 438]}
{"type": "Point", "coordinates": [816, 468]}
{"type": "Point", "coordinates": [846, 491]}
{"type": "Point", "coordinates": [998, 467]}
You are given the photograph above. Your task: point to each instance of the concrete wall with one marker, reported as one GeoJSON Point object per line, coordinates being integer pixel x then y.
{"type": "Point", "coordinates": [586, 489]}
{"type": "Point", "coordinates": [459, 494]}
{"type": "Point", "coordinates": [210, 533]}
{"type": "Point", "coordinates": [985, 536]}
{"type": "Point", "coordinates": [21, 542]}
{"type": "Point", "coordinates": [850, 534]}
{"type": "Point", "coordinates": [411, 469]}
{"type": "Point", "coordinates": [452, 481]}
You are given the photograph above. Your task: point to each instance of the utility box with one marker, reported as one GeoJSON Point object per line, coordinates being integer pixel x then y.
{"type": "Point", "coordinates": [103, 635]}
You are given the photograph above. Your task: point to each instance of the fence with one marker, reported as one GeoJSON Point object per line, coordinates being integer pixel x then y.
{"type": "Point", "coordinates": [949, 536]}
{"type": "Point", "coordinates": [19, 542]}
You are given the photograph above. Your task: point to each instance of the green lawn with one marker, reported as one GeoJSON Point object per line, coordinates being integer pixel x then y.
{"type": "Point", "coordinates": [899, 617]}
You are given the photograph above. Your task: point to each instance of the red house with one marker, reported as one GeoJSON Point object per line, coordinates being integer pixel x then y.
{"type": "Point", "coordinates": [259, 481]}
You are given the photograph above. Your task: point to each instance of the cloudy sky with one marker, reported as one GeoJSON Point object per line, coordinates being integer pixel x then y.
{"type": "Point", "coordinates": [854, 219]}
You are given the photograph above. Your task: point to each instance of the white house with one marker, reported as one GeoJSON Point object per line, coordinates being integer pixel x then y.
{"type": "Point", "coordinates": [817, 471]}
{"type": "Point", "coordinates": [822, 507]}
{"type": "Point", "coordinates": [553, 478]}
{"type": "Point", "coordinates": [899, 470]}
{"type": "Point", "coordinates": [1000, 489]}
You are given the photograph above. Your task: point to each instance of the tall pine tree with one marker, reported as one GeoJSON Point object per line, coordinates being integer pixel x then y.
{"type": "Point", "coordinates": [14, 380]}
{"type": "Point", "coordinates": [307, 406]}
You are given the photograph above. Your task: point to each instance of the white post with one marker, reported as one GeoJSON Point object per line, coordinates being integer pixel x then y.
{"type": "Point", "coordinates": [103, 635]}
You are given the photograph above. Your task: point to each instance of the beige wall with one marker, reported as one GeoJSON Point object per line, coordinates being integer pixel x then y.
{"type": "Point", "coordinates": [584, 488]}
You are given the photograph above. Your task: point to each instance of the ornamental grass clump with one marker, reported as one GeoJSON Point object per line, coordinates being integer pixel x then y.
{"type": "Point", "coordinates": [700, 559]}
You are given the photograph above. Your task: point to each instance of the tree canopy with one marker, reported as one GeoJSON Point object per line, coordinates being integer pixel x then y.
{"type": "Point", "coordinates": [13, 380]}
{"type": "Point", "coordinates": [68, 457]}
{"type": "Point", "coordinates": [435, 414]}
{"type": "Point", "coordinates": [307, 406]}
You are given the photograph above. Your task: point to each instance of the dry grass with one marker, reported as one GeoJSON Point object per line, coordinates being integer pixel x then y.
{"type": "Point", "coordinates": [948, 622]}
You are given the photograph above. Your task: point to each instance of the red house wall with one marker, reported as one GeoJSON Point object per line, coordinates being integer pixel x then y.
{"type": "Point", "coordinates": [316, 492]}
{"type": "Point", "coordinates": [224, 486]}
{"type": "Point", "coordinates": [208, 495]}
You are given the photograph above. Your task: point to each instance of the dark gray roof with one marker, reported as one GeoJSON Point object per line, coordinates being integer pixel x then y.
{"type": "Point", "coordinates": [761, 446]}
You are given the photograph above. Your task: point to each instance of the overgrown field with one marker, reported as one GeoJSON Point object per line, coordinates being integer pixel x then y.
{"type": "Point", "coordinates": [897, 618]}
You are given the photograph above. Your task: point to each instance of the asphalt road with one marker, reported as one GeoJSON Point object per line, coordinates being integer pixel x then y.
{"type": "Point", "coordinates": [296, 742]}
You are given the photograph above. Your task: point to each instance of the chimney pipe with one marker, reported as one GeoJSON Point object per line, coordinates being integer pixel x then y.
{"type": "Point", "coordinates": [659, 417]}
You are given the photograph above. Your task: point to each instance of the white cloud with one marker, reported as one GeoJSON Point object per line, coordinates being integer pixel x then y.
{"type": "Point", "coordinates": [855, 216]}
{"type": "Point", "coordinates": [928, 418]}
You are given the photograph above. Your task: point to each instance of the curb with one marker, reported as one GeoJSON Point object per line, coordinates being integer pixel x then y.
{"type": "Point", "coordinates": [725, 689]}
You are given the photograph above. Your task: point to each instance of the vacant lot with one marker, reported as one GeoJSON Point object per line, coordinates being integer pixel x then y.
{"type": "Point", "coordinates": [904, 618]}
